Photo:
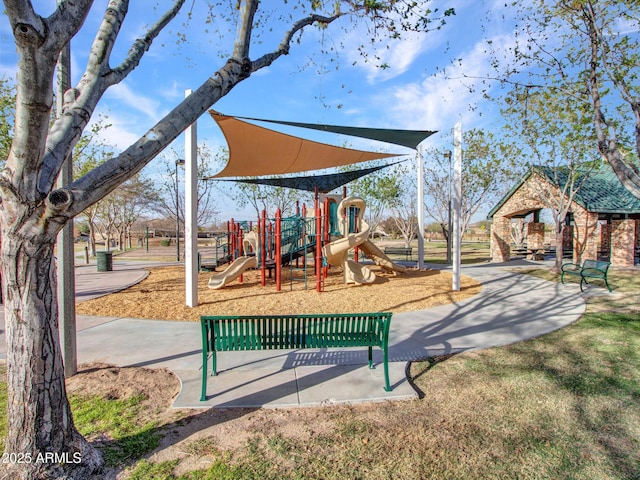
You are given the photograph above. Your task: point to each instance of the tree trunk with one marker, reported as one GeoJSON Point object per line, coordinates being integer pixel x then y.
{"type": "Point", "coordinates": [41, 431]}
{"type": "Point", "coordinates": [557, 265]}
{"type": "Point", "coordinates": [92, 239]}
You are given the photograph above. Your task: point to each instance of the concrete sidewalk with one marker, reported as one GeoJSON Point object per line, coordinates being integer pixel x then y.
{"type": "Point", "coordinates": [511, 307]}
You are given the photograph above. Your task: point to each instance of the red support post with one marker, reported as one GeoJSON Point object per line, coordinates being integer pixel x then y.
{"type": "Point", "coordinates": [263, 249]}
{"type": "Point", "coordinates": [240, 250]}
{"type": "Point", "coordinates": [278, 255]}
{"type": "Point", "coordinates": [233, 239]}
{"type": "Point", "coordinates": [318, 262]}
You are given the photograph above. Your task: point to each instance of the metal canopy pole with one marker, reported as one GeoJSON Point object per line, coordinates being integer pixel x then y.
{"type": "Point", "coordinates": [420, 207]}
{"type": "Point", "coordinates": [457, 203]}
{"type": "Point", "coordinates": [191, 213]}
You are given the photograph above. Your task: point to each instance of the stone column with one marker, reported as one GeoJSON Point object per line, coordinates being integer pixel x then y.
{"type": "Point", "coordinates": [585, 245]}
{"type": "Point", "coordinates": [500, 235]}
{"type": "Point", "coordinates": [623, 243]}
{"type": "Point", "coordinates": [605, 237]}
{"type": "Point", "coordinates": [535, 239]}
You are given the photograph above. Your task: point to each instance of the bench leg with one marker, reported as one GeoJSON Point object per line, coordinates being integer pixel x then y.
{"type": "Point", "coordinates": [607, 284]}
{"type": "Point", "coordinates": [387, 386]}
{"type": "Point", "coordinates": [370, 357]}
{"type": "Point", "coordinates": [203, 393]}
{"type": "Point", "coordinates": [205, 358]}
{"type": "Point", "coordinates": [582, 280]}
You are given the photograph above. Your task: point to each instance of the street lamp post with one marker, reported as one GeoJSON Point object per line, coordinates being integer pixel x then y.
{"type": "Point", "coordinates": [180, 161]}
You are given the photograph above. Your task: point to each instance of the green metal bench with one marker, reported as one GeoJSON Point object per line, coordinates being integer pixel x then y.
{"type": "Point", "coordinates": [588, 269]}
{"type": "Point", "coordinates": [290, 332]}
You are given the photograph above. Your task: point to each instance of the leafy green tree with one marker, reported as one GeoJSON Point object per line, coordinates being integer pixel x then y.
{"type": "Point", "coordinates": [33, 209]}
{"type": "Point", "coordinates": [88, 153]}
{"type": "Point", "coordinates": [379, 190]}
{"type": "Point", "coordinates": [552, 130]}
{"type": "Point", "coordinates": [588, 51]}
{"type": "Point", "coordinates": [266, 197]}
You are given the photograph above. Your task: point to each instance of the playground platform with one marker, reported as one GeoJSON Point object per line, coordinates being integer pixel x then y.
{"type": "Point", "coordinates": [511, 307]}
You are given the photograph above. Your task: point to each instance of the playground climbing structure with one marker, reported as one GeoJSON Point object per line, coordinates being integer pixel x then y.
{"type": "Point", "coordinates": [355, 236]}
{"type": "Point", "coordinates": [323, 239]}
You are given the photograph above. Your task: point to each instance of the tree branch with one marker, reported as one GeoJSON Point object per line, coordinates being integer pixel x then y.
{"type": "Point", "coordinates": [81, 101]}
{"type": "Point", "coordinates": [608, 147]}
{"type": "Point", "coordinates": [285, 44]}
{"type": "Point", "coordinates": [143, 43]}
{"type": "Point", "coordinates": [106, 177]}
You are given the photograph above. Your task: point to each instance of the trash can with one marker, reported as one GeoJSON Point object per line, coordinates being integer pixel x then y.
{"type": "Point", "coordinates": [105, 261]}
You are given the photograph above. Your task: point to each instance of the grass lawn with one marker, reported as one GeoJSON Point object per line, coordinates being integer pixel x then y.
{"type": "Point", "coordinates": [563, 406]}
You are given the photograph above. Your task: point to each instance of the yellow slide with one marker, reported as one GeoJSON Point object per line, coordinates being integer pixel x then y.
{"type": "Point", "coordinates": [337, 252]}
{"type": "Point", "coordinates": [239, 265]}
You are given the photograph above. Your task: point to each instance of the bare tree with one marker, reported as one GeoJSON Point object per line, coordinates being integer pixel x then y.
{"type": "Point", "coordinates": [487, 168]}
{"type": "Point", "coordinates": [33, 210]}
{"type": "Point", "coordinates": [267, 198]}
{"type": "Point", "coordinates": [169, 184]}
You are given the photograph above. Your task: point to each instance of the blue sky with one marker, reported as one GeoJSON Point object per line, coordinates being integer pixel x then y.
{"type": "Point", "coordinates": [410, 94]}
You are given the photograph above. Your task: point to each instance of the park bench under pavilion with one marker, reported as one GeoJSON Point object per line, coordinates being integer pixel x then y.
{"type": "Point", "coordinates": [604, 218]}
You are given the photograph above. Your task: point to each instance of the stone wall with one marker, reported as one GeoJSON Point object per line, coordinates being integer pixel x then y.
{"type": "Point", "coordinates": [586, 234]}
{"type": "Point", "coordinates": [500, 236]}
{"type": "Point", "coordinates": [605, 237]}
{"type": "Point", "coordinates": [535, 236]}
{"type": "Point", "coordinates": [623, 242]}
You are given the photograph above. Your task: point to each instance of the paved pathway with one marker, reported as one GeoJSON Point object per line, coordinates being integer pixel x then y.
{"type": "Point", "coordinates": [511, 307]}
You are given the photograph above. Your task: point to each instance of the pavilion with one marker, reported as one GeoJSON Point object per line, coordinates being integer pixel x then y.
{"type": "Point", "coordinates": [603, 218]}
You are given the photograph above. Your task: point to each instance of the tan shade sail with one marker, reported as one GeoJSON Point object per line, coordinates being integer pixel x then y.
{"type": "Point", "coordinates": [256, 151]}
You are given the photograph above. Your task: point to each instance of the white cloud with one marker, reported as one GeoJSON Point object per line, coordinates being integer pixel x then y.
{"type": "Point", "coordinates": [136, 101]}
{"type": "Point", "coordinates": [439, 101]}
{"type": "Point", "coordinates": [122, 133]}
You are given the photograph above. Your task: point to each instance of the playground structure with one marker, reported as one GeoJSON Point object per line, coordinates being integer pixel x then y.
{"type": "Point", "coordinates": [337, 252]}
{"type": "Point", "coordinates": [239, 265]}
{"type": "Point", "coordinates": [329, 235]}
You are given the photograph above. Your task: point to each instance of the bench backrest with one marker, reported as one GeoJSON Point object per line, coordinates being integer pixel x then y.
{"type": "Point", "coordinates": [263, 332]}
{"type": "Point", "coordinates": [596, 265]}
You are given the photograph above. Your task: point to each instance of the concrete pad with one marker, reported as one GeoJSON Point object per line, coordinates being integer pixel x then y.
{"type": "Point", "coordinates": [260, 387]}
{"type": "Point", "coordinates": [132, 342]}
{"type": "Point", "coordinates": [351, 384]}
{"type": "Point", "coordinates": [255, 387]}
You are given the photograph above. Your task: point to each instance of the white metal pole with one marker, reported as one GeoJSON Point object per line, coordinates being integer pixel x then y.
{"type": "Point", "coordinates": [420, 207]}
{"type": "Point", "coordinates": [457, 203]}
{"type": "Point", "coordinates": [191, 213]}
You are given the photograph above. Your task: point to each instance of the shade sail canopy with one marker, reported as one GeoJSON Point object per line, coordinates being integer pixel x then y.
{"type": "Point", "coordinates": [324, 183]}
{"type": "Point", "coordinates": [406, 138]}
{"type": "Point", "coordinates": [256, 151]}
